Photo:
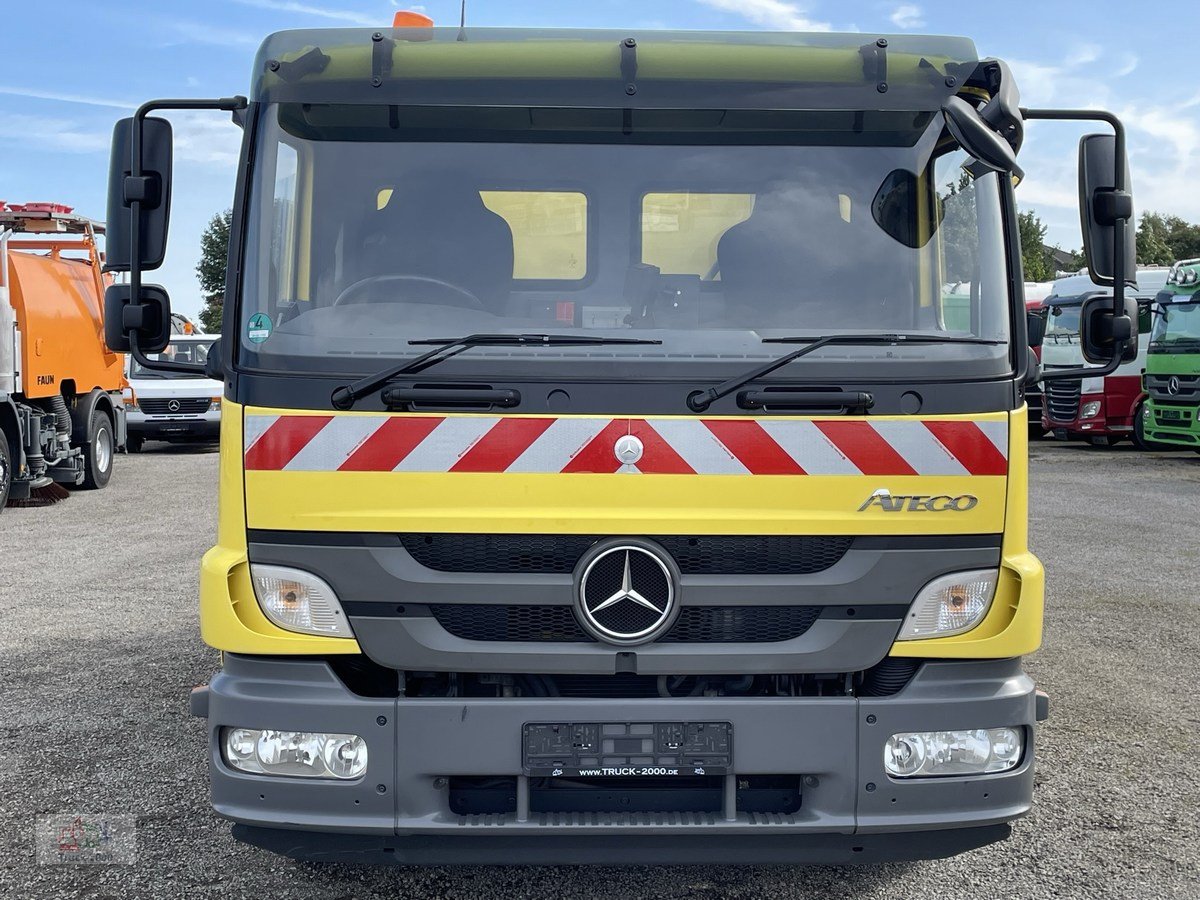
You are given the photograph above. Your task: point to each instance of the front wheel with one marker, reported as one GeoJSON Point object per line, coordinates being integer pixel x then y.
{"type": "Point", "coordinates": [98, 452]}
{"type": "Point", "coordinates": [1139, 432]}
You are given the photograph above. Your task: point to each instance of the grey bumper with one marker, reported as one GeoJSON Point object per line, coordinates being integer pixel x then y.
{"type": "Point", "coordinates": [415, 744]}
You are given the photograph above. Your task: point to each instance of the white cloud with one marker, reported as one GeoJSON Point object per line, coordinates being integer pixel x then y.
{"type": "Point", "coordinates": [908, 15]}
{"type": "Point", "coordinates": [51, 135]}
{"type": "Point", "coordinates": [65, 97]}
{"type": "Point", "coordinates": [771, 14]}
{"type": "Point", "coordinates": [1129, 62]}
{"type": "Point", "coordinates": [191, 32]}
{"type": "Point", "coordinates": [320, 12]}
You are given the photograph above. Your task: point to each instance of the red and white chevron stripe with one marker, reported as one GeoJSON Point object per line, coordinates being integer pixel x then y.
{"type": "Point", "coordinates": [530, 445]}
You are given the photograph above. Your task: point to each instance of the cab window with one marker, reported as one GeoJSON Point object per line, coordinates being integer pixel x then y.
{"type": "Point", "coordinates": [549, 232]}
{"type": "Point", "coordinates": [680, 231]}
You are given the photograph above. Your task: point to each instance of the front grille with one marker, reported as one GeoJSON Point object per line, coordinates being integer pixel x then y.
{"type": "Point", "coordinates": [188, 406]}
{"type": "Point", "coordinates": [1187, 392]}
{"type": "Point", "coordinates": [695, 625]}
{"type": "Point", "coordinates": [558, 554]}
{"type": "Point", "coordinates": [1062, 399]}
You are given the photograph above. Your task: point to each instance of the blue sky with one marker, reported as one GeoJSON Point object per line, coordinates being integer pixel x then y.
{"type": "Point", "coordinates": [70, 70]}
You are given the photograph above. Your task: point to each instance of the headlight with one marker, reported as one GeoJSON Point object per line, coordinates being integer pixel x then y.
{"type": "Point", "coordinates": [1089, 409]}
{"type": "Point", "coordinates": [298, 754]}
{"type": "Point", "coordinates": [951, 604]}
{"type": "Point", "coordinates": [299, 601]}
{"type": "Point", "coordinates": [928, 754]}
{"type": "Point", "coordinates": [215, 406]}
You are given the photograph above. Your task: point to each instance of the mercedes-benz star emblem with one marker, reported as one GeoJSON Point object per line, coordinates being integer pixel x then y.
{"type": "Point", "coordinates": [173, 405]}
{"type": "Point", "coordinates": [625, 592]}
{"type": "Point", "coordinates": [628, 450]}
{"type": "Point", "coordinates": [1173, 385]}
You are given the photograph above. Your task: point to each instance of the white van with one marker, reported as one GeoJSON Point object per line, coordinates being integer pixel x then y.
{"type": "Point", "coordinates": [173, 406]}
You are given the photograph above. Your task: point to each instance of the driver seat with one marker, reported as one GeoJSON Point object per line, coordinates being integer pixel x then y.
{"type": "Point", "coordinates": [442, 229]}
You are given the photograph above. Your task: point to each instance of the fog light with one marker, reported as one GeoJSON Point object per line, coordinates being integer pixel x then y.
{"type": "Point", "coordinates": [930, 754]}
{"type": "Point", "coordinates": [296, 754]}
{"type": "Point", "coordinates": [1091, 408]}
{"type": "Point", "coordinates": [951, 604]}
{"type": "Point", "coordinates": [299, 601]}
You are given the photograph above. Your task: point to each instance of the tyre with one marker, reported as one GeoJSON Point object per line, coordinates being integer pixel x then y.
{"type": "Point", "coordinates": [98, 452]}
{"type": "Point", "coordinates": [1139, 432]}
{"type": "Point", "coordinates": [5, 470]}
{"type": "Point", "coordinates": [134, 443]}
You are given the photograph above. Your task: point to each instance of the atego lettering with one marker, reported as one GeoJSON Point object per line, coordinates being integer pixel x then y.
{"type": "Point", "coordinates": [920, 503]}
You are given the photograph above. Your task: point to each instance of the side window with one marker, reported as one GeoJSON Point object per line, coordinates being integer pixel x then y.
{"type": "Point", "coordinates": [283, 225]}
{"type": "Point", "coordinates": [549, 229]}
{"type": "Point", "coordinates": [1145, 318]}
{"type": "Point", "coordinates": [680, 231]}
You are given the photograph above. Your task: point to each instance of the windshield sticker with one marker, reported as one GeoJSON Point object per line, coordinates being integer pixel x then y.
{"type": "Point", "coordinates": [258, 329]}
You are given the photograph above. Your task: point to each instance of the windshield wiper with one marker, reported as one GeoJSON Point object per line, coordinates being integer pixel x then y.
{"type": "Point", "coordinates": [345, 396]}
{"type": "Point", "coordinates": [699, 401]}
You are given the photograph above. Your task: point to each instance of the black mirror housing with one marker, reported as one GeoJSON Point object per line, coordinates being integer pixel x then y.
{"type": "Point", "coordinates": [1101, 206]}
{"type": "Point", "coordinates": [976, 137]}
{"type": "Point", "coordinates": [152, 190]}
{"type": "Point", "coordinates": [1035, 326]}
{"type": "Point", "coordinates": [149, 316]}
{"type": "Point", "coordinates": [1101, 329]}
{"type": "Point", "coordinates": [214, 363]}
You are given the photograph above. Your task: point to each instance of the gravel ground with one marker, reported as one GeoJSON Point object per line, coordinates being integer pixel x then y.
{"type": "Point", "coordinates": [99, 646]}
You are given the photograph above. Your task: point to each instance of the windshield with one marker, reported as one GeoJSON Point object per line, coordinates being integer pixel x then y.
{"type": "Point", "coordinates": [1176, 327]}
{"type": "Point", "coordinates": [708, 231]}
{"type": "Point", "coordinates": [181, 351]}
{"type": "Point", "coordinates": [1062, 324]}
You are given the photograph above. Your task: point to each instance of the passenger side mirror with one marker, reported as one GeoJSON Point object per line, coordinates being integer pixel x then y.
{"type": "Point", "coordinates": [1035, 326]}
{"type": "Point", "coordinates": [149, 316]}
{"type": "Point", "coordinates": [1100, 329]}
{"type": "Point", "coordinates": [1101, 206]}
{"type": "Point", "coordinates": [151, 191]}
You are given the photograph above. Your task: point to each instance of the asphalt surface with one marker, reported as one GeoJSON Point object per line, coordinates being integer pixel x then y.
{"type": "Point", "coordinates": [99, 647]}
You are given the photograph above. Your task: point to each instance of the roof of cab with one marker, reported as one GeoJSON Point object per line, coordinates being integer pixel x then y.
{"type": "Point", "coordinates": [634, 68]}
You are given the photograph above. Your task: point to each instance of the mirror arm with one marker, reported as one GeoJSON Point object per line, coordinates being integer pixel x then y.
{"type": "Point", "coordinates": [1122, 212]}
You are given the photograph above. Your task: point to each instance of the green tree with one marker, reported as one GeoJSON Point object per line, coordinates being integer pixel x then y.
{"type": "Point", "coordinates": [1162, 240]}
{"type": "Point", "coordinates": [1152, 249]}
{"type": "Point", "coordinates": [214, 253]}
{"type": "Point", "coordinates": [1034, 258]}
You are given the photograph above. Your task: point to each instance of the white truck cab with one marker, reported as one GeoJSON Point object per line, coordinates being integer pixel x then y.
{"type": "Point", "coordinates": [173, 406]}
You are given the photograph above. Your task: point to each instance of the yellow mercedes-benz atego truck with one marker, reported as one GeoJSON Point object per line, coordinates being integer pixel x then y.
{"type": "Point", "coordinates": [601, 480]}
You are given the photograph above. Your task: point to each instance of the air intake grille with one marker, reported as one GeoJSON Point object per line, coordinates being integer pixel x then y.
{"type": "Point", "coordinates": [187, 406]}
{"type": "Point", "coordinates": [557, 554]}
{"type": "Point", "coordinates": [695, 625]}
{"type": "Point", "coordinates": [1062, 400]}
{"type": "Point", "coordinates": [1187, 388]}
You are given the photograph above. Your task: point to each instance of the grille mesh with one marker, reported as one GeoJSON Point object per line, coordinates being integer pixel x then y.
{"type": "Point", "coordinates": [188, 406]}
{"type": "Point", "coordinates": [696, 624]}
{"type": "Point", "coordinates": [558, 554]}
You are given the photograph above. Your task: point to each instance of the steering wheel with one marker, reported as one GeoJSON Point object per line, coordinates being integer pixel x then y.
{"type": "Point", "coordinates": [464, 297]}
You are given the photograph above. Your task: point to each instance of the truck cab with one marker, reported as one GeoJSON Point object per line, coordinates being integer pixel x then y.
{"type": "Point", "coordinates": [1171, 417]}
{"type": "Point", "coordinates": [173, 406]}
{"type": "Point", "coordinates": [604, 475]}
{"type": "Point", "coordinates": [1104, 409]}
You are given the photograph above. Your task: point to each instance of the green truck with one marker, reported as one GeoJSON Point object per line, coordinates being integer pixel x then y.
{"type": "Point", "coordinates": [1171, 413]}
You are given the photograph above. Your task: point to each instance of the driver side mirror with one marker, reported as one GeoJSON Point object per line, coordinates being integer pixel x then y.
{"type": "Point", "coordinates": [1100, 329]}
{"type": "Point", "coordinates": [1101, 206]}
{"type": "Point", "coordinates": [151, 190]}
{"type": "Point", "coordinates": [1035, 326]}
{"type": "Point", "coordinates": [149, 316]}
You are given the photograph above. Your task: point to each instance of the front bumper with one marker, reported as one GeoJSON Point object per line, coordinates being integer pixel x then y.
{"type": "Point", "coordinates": [850, 809]}
{"type": "Point", "coordinates": [167, 428]}
{"type": "Point", "coordinates": [1173, 423]}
